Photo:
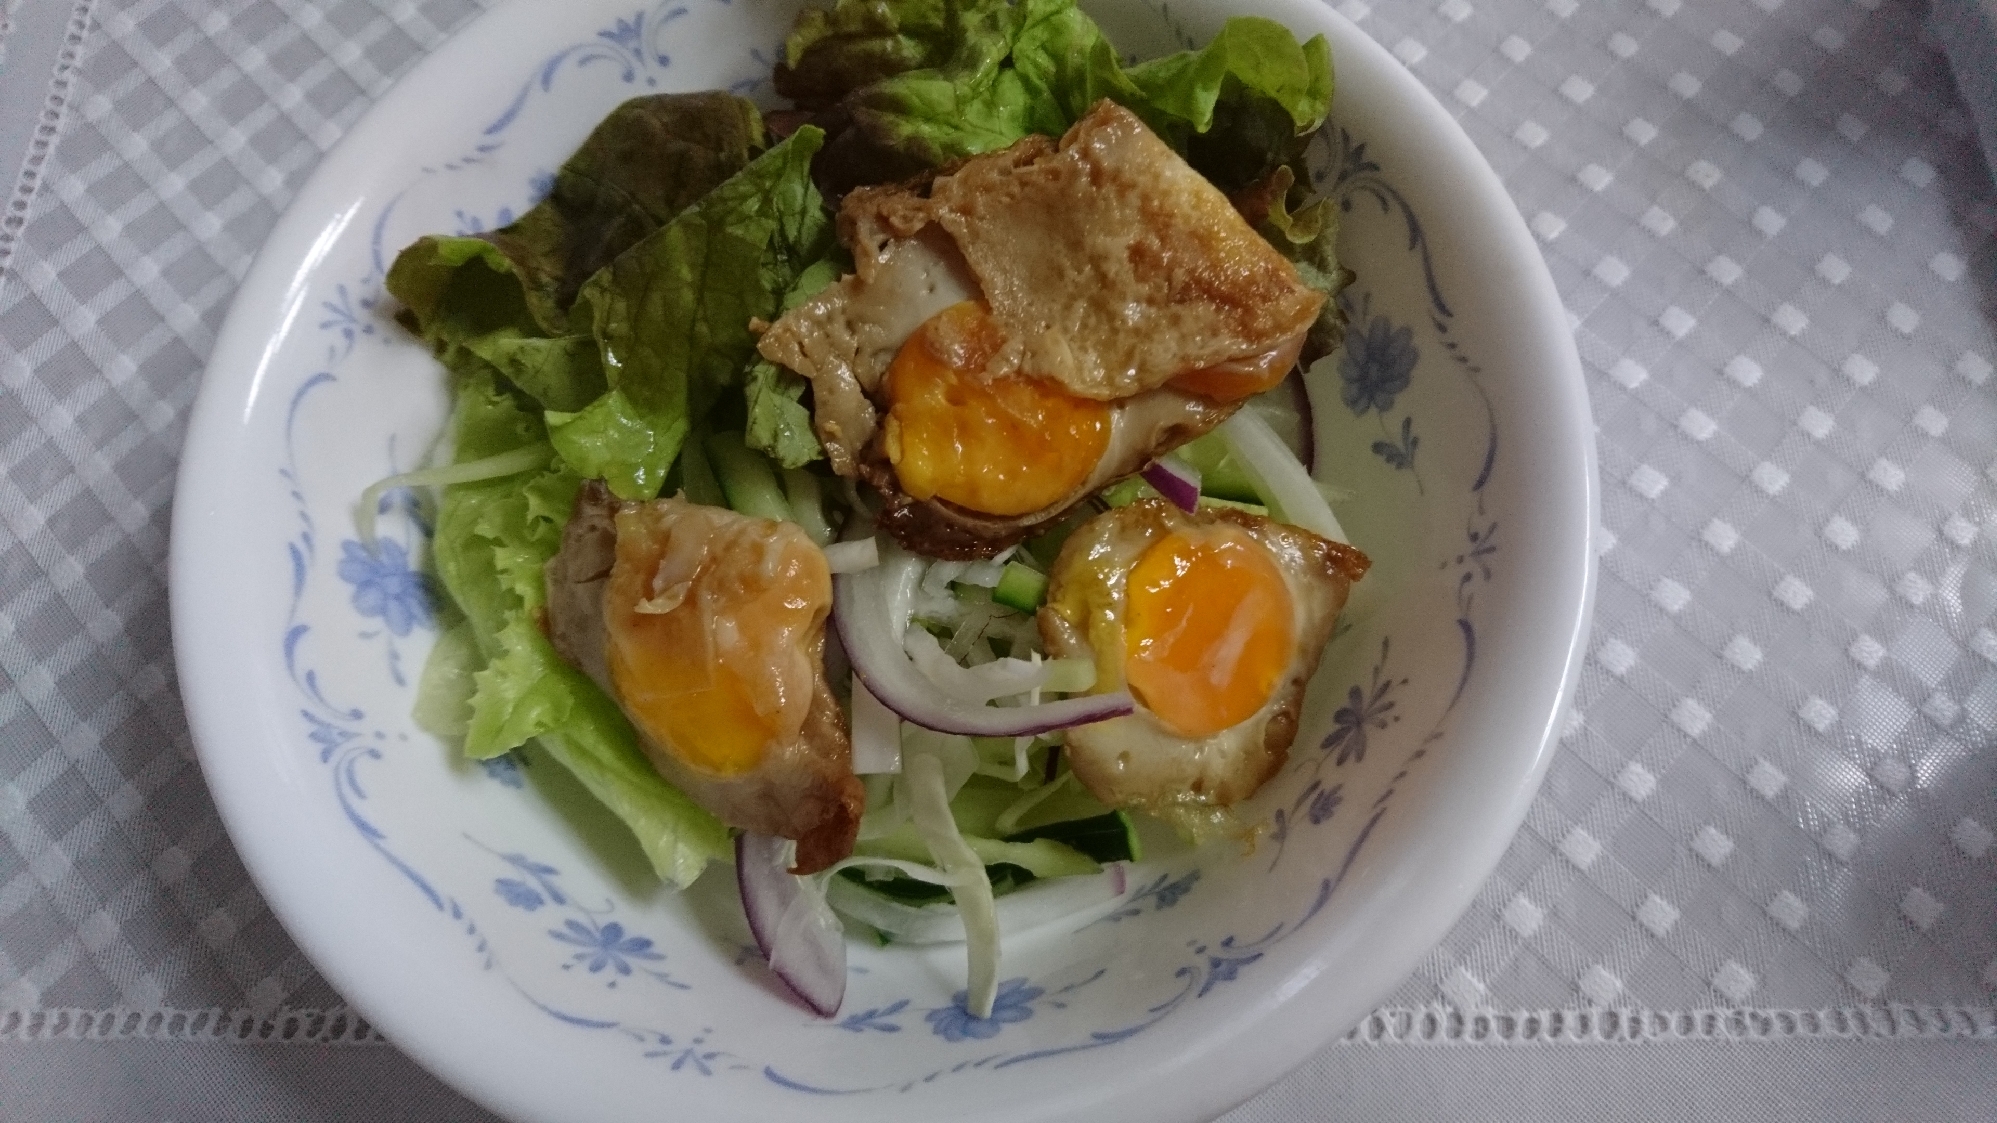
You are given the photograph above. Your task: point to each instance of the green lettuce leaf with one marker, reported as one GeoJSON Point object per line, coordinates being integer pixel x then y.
{"type": "Point", "coordinates": [952, 81]}
{"type": "Point", "coordinates": [1308, 236]}
{"type": "Point", "coordinates": [1066, 65]}
{"type": "Point", "coordinates": [492, 541]}
{"type": "Point", "coordinates": [672, 315]}
{"type": "Point", "coordinates": [1250, 56]}
{"type": "Point", "coordinates": [834, 51]}
{"type": "Point", "coordinates": [462, 296]}
{"type": "Point", "coordinates": [505, 297]}
{"type": "Point", "coordinates": [779, 424]}
{"type": "Point", "coordinates": [652, 158]}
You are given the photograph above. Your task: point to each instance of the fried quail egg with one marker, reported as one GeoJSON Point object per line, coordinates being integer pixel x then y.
{"type": "Point", "coordinates": [1214, 620]}
{"type": "Point", "coordinates": [707, 628]}
{"type": "Point", "coordinates": [1032, 325]}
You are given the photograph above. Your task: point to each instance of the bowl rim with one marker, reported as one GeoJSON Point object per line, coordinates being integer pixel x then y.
{"type": "Point", "coordinates": [1257, 1047]}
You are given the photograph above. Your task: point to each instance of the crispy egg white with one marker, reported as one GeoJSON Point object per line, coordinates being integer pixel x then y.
{"type": "Point", "coordinates": [707, 628]}
{"type": "Point", "coordinates": [1215, 621]}
{"type": "Point", "coordinates": [1034, 324]}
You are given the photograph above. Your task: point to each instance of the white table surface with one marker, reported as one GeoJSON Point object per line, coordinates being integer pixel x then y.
{"type": "Point", "coordinates": [1761, 881]}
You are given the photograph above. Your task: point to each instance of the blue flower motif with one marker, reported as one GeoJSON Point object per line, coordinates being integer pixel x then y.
{"type": "Point", "coordinates": [503, 768]}
{"type": "Point", "coordinates": [1013, 1003]}
{"type": "Point", "coordinates": [385, 585]}
{"type": "Point", "coordinates": [518, 893]}
{"type": "Point", "coordinates": [875, 1019]}
{"type": "Point", "coordinates": [603, 947]}
{"type": "Point", "coordinates": [1349, 724]}
{"type": "Point", "coordinates": [1326, 802]}
{"type": "Point", "coordinates": [1379, 363]}
{"type": "Point", "coordinates": [1366, 708]}
{"type": "Point", "coordinates": [1169, 895]}
{"type": "Point", "coordinates": [1225, 970]}
{"type": "Point", "coordinates": [626, 34]}
{"type": "Point", "coordinates": [539, 186]}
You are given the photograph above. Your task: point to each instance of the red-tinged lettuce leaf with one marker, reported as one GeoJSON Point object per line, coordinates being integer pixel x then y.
{"type": "Point", "coordinates": [672, 315]}
{"type": "Point", "coordinates": [505, 296]}
{"type": "Point", "coordinates": [833, 51]}
{"type": "Point", "coordinates": [462, 296]}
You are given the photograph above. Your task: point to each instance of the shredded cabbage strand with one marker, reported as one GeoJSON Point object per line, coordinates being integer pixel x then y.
{"type": "Point", "coordinates": [929, 806]}
{"type": "Point", "coordinates": [1279, 477]}
{"type": "Point", "coordinates": [509, 463]}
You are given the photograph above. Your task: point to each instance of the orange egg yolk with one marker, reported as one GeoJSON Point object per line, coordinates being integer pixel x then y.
{"type": "Point", "coordinates": [999, 444]}
{"type": "Point", "coordinates": [710, 617]}
{"type": "Point", "coordinates": [1241, 378]}
{"type": "Point", "coordinates": [1208, 629]}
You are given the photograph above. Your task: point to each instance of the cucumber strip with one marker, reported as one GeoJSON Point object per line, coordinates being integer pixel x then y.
{"type": "Point", "coordinates": [1039, 856]}
{"type": "Point", "coordinates": [920, 891]}
{"type": "Point", "coordinates": [1233, 504]}
{"type": "Point", "coordinates": [1221, 475]}
{"type": "Point", "coordinates": [1020, 588]}
{"type": "Point", "coordinates": [1045, 548]}
{"type": "Point", "coordinates": [1106, 838]}
{"type": "Point", "coordinates": [697, 477]}
{"type": "Point", "coordinates": [1124, 492]}
{"type": "Point", "coordinates": [1007, 822]}
{"type": "Point", "coordinates": [807, 506]}
{"type": "Point", "coordinates": [747, 478]}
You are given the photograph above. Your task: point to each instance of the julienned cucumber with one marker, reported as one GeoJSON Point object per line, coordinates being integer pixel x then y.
{"type": "Point", "coordinates": [747, 478]}
{"type": "Point", "coordinates": [1106, 838]}
{"type": "Point", "coordinates": [1220, 476]}
{"type": "Point", "coordinates": [1020, 587]}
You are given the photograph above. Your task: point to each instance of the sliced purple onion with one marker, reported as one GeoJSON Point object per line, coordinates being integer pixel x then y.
{"type": "Point", "coordinates": [872, 610]}
{"type": "Point", "coordinates": [1176, 480]}
{"type": "Point", "coordinates": [797, 932]}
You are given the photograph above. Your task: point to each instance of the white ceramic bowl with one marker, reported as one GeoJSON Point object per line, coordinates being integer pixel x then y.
{"type": "Point", "coordinates": [510, 940]}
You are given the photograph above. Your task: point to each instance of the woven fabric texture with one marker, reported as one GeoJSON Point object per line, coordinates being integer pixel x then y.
{"type": "Point", "coordinates": [1770, 221]}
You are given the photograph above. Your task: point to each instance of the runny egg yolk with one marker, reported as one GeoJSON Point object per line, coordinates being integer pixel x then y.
{"type": "Point", "coordinates": [1208, 629]}
{"type": "Point", "coordinates": [1000, 444]}
{"type": "Point", "coordinates": [710, 615]}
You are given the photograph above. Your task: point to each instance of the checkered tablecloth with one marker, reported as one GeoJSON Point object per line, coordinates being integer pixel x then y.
{"type": "Point", "coordinates": [1762, 876]}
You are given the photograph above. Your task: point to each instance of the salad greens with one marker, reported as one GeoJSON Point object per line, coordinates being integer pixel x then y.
{"type": "Point", "coordinates": [610, 332]}
{"type": "Point", "coordinates": [908, 85]}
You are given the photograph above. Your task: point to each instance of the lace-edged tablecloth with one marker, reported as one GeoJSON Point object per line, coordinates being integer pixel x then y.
{"type": "Point", "coordinates": [1773, 816]}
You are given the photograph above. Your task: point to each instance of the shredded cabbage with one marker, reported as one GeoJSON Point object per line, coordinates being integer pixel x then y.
{"type": "Point", "coordinates": [1279, 477]}
{"type": "Point", "coordinates": [929, 806]}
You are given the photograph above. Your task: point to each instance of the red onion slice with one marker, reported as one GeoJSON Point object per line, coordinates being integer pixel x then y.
{"type": "Point", "coordinates": [797, 932]}
{"type": "Point", "coordinates": [1176, 480]}
{"type": "Point", "coordinates": [871, 609]}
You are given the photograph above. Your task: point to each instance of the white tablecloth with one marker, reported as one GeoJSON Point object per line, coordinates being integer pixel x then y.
{"type": "Point", "coordinates": [1761, 881]}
